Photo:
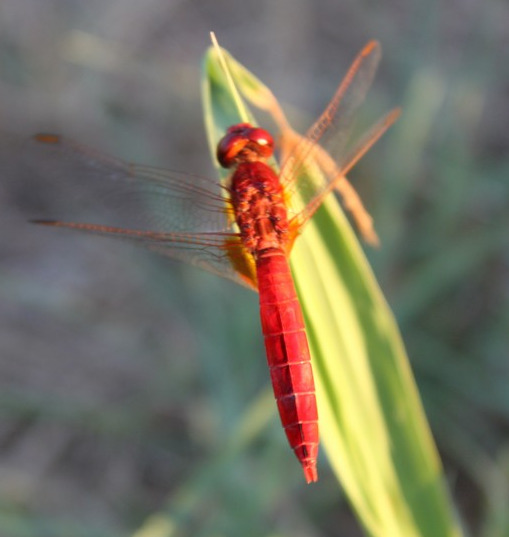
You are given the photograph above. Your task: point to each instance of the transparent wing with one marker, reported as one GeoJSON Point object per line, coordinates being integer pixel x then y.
{"type": "Point", "coordinates": [326, 144]}
{"type": "Point", "coordinates": [332, 128]}
{"type": "Point", "coordinates": [179, 215]}
{"type": "Point", "coordinates": [334, 177]}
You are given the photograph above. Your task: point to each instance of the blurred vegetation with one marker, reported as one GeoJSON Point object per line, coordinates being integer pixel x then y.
{"type": "Point", "coordinates": [128, 384]}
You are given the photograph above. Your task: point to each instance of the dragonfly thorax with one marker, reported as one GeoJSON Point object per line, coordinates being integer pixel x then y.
{"type": "Point", "coordinates": [258, 203]}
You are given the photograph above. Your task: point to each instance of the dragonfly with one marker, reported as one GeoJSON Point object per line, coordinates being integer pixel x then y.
{"type": "Point", "coordinates": [242, 229]}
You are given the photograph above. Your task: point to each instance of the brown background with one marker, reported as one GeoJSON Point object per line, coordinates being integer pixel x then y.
{"type": "Point", "coordinates": [124, 376]}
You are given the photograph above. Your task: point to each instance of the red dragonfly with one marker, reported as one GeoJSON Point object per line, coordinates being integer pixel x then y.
{"type": "Point", "coordinates": [244, 229]}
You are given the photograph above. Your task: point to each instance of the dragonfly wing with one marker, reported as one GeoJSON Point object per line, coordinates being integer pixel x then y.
{"type": "Point", "coordinates": [335, 178]}
{"type": "Point", "coordinates": [179, 215]}
{"type": "Point", "coordinates": [332, 129]}
{"type": "Point", "coordinates": [316, 164]}
{"type": "Point", "coordinates": [87, 184]}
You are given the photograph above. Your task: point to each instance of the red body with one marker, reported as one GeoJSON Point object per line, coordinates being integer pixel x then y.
{"type": "Point", "coordinates": [288, 358]}
{"type": "Point", "coordinates": [257, 198]}
{"type": "Point", "coordinates": [188, 218]}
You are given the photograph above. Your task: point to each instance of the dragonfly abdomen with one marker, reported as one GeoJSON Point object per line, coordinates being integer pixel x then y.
{"type": "Point", "coordinates": [288, 357]}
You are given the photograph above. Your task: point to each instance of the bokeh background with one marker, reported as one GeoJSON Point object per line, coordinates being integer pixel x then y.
{"type": "Point", "coordinates": [133, 391]}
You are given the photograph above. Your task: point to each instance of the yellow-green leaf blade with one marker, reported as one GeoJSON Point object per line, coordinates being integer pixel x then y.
{"type": "Point", "coordinates": [372, 424]}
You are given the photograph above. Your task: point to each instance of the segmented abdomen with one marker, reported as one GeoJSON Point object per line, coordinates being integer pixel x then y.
{"type": "Point", "coordinates": [288, 357]}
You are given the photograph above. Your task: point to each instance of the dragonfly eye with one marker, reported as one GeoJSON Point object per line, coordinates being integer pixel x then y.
{"type": "Point", "coordinates": [243, 142]}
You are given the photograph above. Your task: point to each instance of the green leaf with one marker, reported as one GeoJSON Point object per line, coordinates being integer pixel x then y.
{"type": "Point", "coordinates": [373, 428]}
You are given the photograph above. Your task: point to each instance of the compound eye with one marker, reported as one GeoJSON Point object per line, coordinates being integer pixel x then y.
{"type": "Point", "coordinates": [242, 142]}
{"type": "Point", "coordinates": [229, 147]}
{"type": "Point", "coordinates": [263, 141]}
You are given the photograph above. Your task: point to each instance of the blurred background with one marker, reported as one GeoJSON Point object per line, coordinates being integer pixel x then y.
{"type": "Point", "coordinates": [133, 391]}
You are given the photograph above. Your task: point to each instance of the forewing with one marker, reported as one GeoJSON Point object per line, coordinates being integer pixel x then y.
{"type": "Point", "coordinates": [328, 135]}
{"type": "Point", "coordinates": [179, 215]}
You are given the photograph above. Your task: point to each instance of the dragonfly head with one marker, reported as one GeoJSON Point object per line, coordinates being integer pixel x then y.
{"type": "Point", "coordinates": [244, 143]}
